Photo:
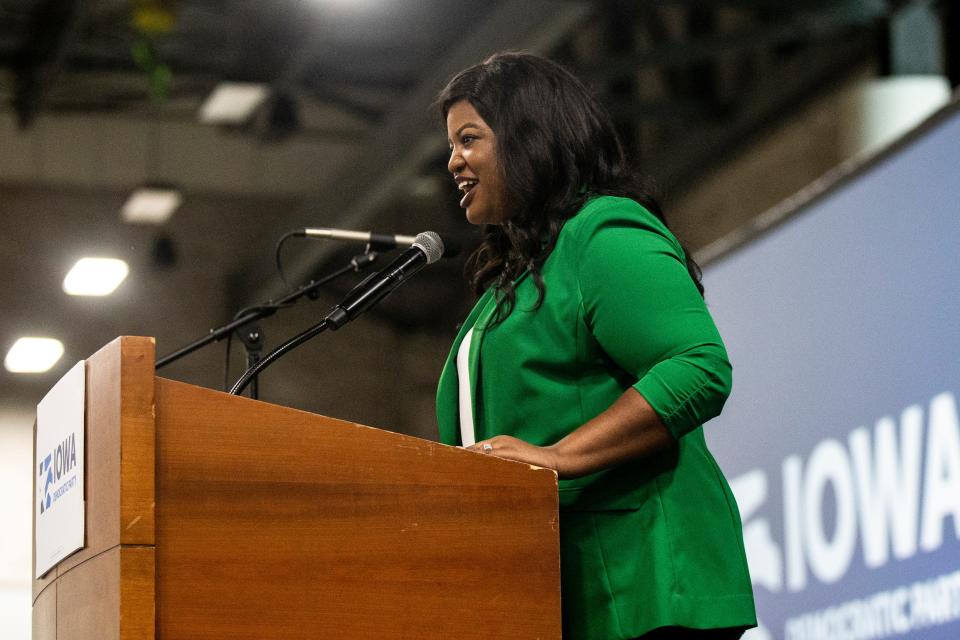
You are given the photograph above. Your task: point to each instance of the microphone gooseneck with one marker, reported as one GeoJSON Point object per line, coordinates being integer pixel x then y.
{"type": "Point", "coordinates": [378, 241]}
{"type": "Point", "coordinates": [382, 241]}
{"type": "Point", "coordinates": [426, 249]}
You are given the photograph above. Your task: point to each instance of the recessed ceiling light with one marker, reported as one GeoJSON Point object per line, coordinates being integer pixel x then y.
{"type": "Point", "coordinates": [95, 276]}
{"type": "Point", "coordinates": [151, 205]}
{"type": "Point", "coordinates": [233, 102]}
{"type": "Point", "coordinates": [33, 355]}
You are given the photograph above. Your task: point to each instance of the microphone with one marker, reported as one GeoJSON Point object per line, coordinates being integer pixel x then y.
{"type": "Point", "coordinates": [381, 241]}
{"type": "Point", "coordinates": [426, 249]}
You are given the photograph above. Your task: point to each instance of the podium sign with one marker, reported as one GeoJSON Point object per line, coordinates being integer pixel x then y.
{"type": "Point", "coordinates": [58, 465]}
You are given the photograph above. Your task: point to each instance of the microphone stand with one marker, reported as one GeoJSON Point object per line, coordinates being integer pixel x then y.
{"type": "Point", "coordinates": [426, 249]}
{"type": "Point", "coordinates": [252, 339]}
{"type": "Point", "coordinates": [262, 311]}
{"type": "Point", "coordinates": [294, 342]}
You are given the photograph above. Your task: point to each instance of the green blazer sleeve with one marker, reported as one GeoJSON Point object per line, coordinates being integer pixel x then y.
{"type": "Point", "coordinates": [648, 316]}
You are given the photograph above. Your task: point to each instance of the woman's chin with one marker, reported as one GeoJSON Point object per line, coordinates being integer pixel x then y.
{"type": "Point", "coordinates": [475, 217]}
{"type": "Point", "coordinates": [484, 215]}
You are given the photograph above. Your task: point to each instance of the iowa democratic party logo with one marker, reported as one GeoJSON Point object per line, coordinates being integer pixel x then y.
{"type": "Point", "coordinates": [53, 469]}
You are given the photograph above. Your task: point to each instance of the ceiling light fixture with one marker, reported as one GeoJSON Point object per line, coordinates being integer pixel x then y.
{"type": "Point", "coordinates": [233, 102]}
{"type": "Point", "coordinates": [33, 355]}
{"type": "Point", "coordinates": [95, 276]}
{"type": "Point", "coordinates": [151, 205]}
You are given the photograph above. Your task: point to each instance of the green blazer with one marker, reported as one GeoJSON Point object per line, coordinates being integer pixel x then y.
{"type": "Point", "coordinates": [654, 542]}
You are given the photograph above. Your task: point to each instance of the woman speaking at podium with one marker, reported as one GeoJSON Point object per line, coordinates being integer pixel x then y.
{"type": "Point", "coordinates": [590, 351]}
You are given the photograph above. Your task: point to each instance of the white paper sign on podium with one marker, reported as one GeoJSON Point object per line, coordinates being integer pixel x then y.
{"type": "Point", "coordinates": [58, 468]}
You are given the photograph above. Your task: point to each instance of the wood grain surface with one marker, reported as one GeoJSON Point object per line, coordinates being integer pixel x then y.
{"type": "Point", "coordinates": [137, 441]}
{"type": "Point", "coordinates": [45, 614]}
{"type": "Point", "coordinates": [275, 523]}
{"type": "Point", "coordinates": [137, 592]}
{"type": "Point", "coordinates": [88, 599]}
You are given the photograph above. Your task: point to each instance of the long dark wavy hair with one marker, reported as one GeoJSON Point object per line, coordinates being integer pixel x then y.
{"type": "Point", "coordinates": [556, 148]}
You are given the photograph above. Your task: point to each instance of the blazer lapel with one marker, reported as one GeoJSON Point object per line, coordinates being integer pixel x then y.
{"type": "Point", "coordinates": [448, 413]}
{"type": "Point", "coordinates": [473, 358]}
{"type": "Point", "coordinates": [448, 410]}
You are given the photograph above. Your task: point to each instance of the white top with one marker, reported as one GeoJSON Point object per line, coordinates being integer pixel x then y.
{"type": "Point", "coordinates": [467, 436]}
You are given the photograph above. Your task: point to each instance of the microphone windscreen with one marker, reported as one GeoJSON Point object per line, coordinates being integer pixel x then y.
{"type": "Point", "coordinates": [431, 244]}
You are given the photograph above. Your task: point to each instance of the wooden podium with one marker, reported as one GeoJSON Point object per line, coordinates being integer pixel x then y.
{"type": "Point", "coordinates": [216, 516]}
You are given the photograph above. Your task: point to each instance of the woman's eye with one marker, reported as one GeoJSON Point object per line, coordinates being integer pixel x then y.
{"type": "Point", "coordinates": [467, 139]}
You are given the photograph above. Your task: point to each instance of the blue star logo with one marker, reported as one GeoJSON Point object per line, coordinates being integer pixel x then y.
{"type": "Point", "coordinates": [46, 469]}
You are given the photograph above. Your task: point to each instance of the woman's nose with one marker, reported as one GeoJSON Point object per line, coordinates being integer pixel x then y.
{"type": "Point", "coordinates": [455, 162]}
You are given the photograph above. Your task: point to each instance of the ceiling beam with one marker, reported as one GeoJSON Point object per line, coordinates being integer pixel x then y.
{"type": "Point", "coordinates": [53, 27]}
{"type": "Point", "coordinates": [801, 27]}
{"type": "Point", "coordinates": [409, 135]}
{"type": "Point", "coordinates": [766, 102]}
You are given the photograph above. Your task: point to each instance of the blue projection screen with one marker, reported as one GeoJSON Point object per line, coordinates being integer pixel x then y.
{"type": "Point", "coordinates": [841, 438]}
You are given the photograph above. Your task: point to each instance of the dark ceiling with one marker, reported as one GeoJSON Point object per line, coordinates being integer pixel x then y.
{"type": "Point", "coordinates": [113, 56]}
{"type": "Point", "coordinates": [688, 82]}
